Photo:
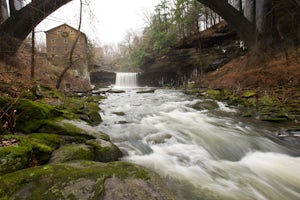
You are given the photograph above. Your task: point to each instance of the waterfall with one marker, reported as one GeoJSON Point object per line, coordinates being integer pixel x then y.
{"type": "Point", "coordinates": [124, 79]}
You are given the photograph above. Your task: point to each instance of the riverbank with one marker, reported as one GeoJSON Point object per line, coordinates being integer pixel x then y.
{"type": "Point", "coordinates": [50, 148]}
{"type": "Point", "coordinates": [268, 90]}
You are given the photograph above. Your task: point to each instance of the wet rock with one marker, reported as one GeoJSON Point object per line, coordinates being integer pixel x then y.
{"type": "Point", "coordinates": [145, 91]}
{"type": "Point", "coordinates": [105, 151]}
{"type": "Point", "coordinates": [75, 128]}
{"type": "Point", "coordinates": [84, 180]}
{"type": "Point", "coordinates": [116, 91]}
{"type": "Point", "coordinates": [122, 122]}
{"type": "Point", "coordinates": [131, 188]}
{"type": "Point", "coordinates": [119, 113]}
{"type": "Point", "coordinates": [72, 152]}
{"type": "Point", "coordinates": [205, 105]}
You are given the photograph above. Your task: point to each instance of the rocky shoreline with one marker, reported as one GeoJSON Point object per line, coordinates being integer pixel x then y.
{"type": "Point", "coordinates": [257, 106]}
{"type": "Point", "coordinates": [51, 150]}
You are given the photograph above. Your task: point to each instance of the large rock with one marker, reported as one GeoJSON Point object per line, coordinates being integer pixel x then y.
{"type": "Point", "coordinates": [15, 157]}
{"type": "Point", "coordinates": [75, 128]}
{"type": "Point", "coordinates": [205, 105]}
{"type": "Point", "coordinates": [105, 151]}
{"type": "Point", "coordinates": [26, 151]}
{"type": "Point", "coordinates": [84, 180]}
{"type": "Point", "coordinates": [72, 152]}
{"type": "Point", "coordinates": [43, 145]}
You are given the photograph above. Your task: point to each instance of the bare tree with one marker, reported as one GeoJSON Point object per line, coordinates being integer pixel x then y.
{"type": "Point", "coordinates": [71, 58]}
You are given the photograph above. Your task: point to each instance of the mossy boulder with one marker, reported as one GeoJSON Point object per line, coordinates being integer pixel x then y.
{"type": "Point", "coordinates": [86, 109]}
{"type": "Point", "coordinates": [72, 152]}
{"type": "Point", "coordinates": [92, 111]}
{"type": "Point", "coordinates": [192, 91]}
{"type": "Point", "coordinates": [84, 180]}
{"type": "Point", "coordinates": [269, 101]}
{"type": "Point", "coordinates": [15, 157]}
{"type": "Point", "coordinates": [249, 94]}
{"type": "Point", "coordinates": [218, 94]}
{"type": "Point", "coordinates": [65, 127]}
{"type": "Point", "coordinates": [31, 115]}
{"type": "Point", "coordinates": [105, 151]}
{"type": "Point", "coordinates": [77, 129]}
{"type": "Point", "coordinates": [43, 145]}
{"type": "Point", "coordinates": [205, 105]}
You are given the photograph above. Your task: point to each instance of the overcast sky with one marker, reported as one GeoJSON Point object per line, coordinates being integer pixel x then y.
{"type": "Point", "coordinates": [104, 21]}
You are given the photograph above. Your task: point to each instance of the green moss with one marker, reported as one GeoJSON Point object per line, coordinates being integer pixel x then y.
{"type": "Point", "coordinates": [249, 93]}
{"type": "Point", "coordinates": [30, 125]}
{"type": "Point", "coordinates": [217, 94]}
{"type": "Point", "coordinates": [30, 115]}
{"type": "Point", "coordinates": [105, 151]}
{"type": "Point", "coordinates": [205, 105]}
{"type": "Point", "coordinates": [86, 109]}
{"type": "Point", "coordinates": [15, 157]}
{"type": "Point", "coordinates": [64, 128]}
{"type": "Point", "coordinates": [62, 181]}
{"type": "Point", "coordinates": [72, 152]}
{"type": "Point", "coordinates": [29, 95]}
{"type": "Point", "coordinates": [43, 145]}
{"type": "Point", "coordinates": [92, 110]}
{"type": "Point", "coordinates": [192, 91]}
{"type": "Point", "coordinates": [104, 136]}
{"type": "Point", "coordinates": [269, 101]}
{"type": "Point", "coordinates": [51, 140]}
{"type": "Point", "coordinates": [94, 99]}
{"type": "Point", "coordinates": [211, 92]}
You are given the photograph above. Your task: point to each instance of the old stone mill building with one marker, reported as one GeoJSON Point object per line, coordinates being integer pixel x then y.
{"type": "Point", "coordinates": [59, 41]}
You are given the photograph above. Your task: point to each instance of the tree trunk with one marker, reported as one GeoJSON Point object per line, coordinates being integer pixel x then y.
{"type": "Point", "coordinates": [264, 26]}
{"type": "Point", "coordinates": [262, 15]}
{"type": "Point", "coordinates": [244, 28]}
{"type": "Point", "coordinates": [12, 8]}
{"type": "Point", "coordinates": [32, 55]}
{"type": "Point", "coordinates": [4, 11]}
{"type": "Point", "coordinates": [18, 4]}
{"type": "Point", "coordinates": [237, 5]}
{"type": "Point", "coordinates": [249, 10]}
{"type": "Point", "coordinates": [71, 60]}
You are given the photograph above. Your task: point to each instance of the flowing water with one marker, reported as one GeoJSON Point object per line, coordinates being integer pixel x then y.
{"type": "Point", "coordinates": [201, 154]}
{"type": "Point", "coordinates": [126, 80]}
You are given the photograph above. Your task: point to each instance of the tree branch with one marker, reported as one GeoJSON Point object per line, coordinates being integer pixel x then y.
{"type": "Point", "coordinates": [245, 29]}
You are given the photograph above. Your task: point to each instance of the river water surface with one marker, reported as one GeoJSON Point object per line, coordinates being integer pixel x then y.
{"type": "Point", "coordinates": [201, 154]}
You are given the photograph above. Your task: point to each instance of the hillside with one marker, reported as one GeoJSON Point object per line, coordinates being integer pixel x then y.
{"type": "Point", "coordinates": [15, 73]}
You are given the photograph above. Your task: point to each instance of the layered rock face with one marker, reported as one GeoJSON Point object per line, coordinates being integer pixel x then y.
{"type": "Point", "coordinates": [193, 57]}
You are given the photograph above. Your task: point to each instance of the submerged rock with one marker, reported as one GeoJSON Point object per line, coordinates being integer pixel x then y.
{"type": "Point", "coordinates": [116, 91]}
{"type": "Point", "coordinates": [84, 180]}
{"type": "Point", "coordinates": [205, 105]}
{"type": "Point", "coordinates": [119, 113]}
{"type": "Point", "coordinates": [145, 91]}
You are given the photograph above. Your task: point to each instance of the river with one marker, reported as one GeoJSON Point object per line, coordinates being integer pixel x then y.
{"type": "Point", "coordinates": [201, 154]}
